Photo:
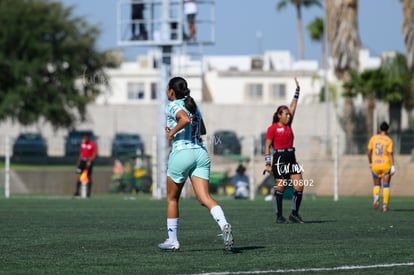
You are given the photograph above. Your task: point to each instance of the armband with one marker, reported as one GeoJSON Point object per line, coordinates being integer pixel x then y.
{"type": "Point", "coordinates": [268, 160]}
{"type": "Point", "coordinates": [296, 96]}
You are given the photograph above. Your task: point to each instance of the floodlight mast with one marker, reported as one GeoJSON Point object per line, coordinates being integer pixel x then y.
{"type": "Point", "coordinates": [166, 51]}
{"type": "Point", "coordinates": [162, 22]}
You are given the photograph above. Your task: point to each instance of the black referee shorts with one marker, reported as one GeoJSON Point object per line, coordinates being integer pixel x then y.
{"type": "Point", "coordinates": [284, 163]}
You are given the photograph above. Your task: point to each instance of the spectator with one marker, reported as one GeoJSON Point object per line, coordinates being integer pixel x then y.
{"type": "Point", "coordinates": [190, 10]}
{"type": "Point", "coordinates": [137, 16]}
{"type": "Point", "coordinates": [241, 183]}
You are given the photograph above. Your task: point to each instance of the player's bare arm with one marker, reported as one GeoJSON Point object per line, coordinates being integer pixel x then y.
{"type": "Point", "coordinates": [294, 102]}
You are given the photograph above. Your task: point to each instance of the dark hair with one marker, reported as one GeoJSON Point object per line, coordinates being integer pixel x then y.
{"type": "Point", "coordinates": [180, 88]}
{"type": "Point", "coordinates": [384, 126]}
{"type": "Point", "coordinates": [279, 111]}
{"type": "Point", "coordinates": [240, 169]}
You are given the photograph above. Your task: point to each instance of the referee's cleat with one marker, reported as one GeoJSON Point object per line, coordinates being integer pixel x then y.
{"type": "Point", "coordinates": [281, 219]}
{"type": "Point", "coordinates": [295, 218]}
{"type": "Point", "coordinates": [168, 245]}
{"type": "Point", "coordinates": [228, 238]}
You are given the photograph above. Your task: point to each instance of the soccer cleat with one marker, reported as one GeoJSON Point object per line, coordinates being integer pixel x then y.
{"type": "Point", "coordinates": [228, 237]}
{"type": "Point", "coordinates": [167, 245]}
{"type": "Point", "coordinates": [384, 208]}
{"type": "Point", "coordinates": [376, 204]}
{"type": "Point", "coordinates": [281, 219]}
{"type": "Point", "coordinates": [295, 218]}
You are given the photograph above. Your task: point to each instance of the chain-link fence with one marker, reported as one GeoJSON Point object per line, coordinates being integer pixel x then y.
{"type": "Point", "coordinates": [325, 162]}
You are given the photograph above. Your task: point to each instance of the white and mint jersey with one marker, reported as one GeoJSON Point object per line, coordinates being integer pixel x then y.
{"type": "Point", "coordinates": [188, 137]}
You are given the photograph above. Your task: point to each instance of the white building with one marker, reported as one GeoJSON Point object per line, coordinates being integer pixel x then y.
{"type": "Point", "coordinates": [249, 87]}
{"type": "Point", "coordinates": [238, 79]}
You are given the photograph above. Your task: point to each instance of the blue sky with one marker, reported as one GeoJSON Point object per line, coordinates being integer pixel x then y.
{"type": "Point", "coordinates": [238, 22]}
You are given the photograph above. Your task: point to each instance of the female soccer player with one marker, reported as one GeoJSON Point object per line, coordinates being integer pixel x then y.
{"type": "Point", "coordinates": [284, 166]}
{"type": "Point", "coordinates": [381, 161]}
{"type": "Point", "coordinates": [188, 158]}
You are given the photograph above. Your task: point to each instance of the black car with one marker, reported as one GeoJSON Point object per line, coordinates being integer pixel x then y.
{"type": "Point", "coordinates": [73, 141]}
{"type": "Point", "coordinates": [226, 142]}
{"type": "Point", "coordinates": [30, 144]}
{"type": "Point", "coordinates": [127, 144]}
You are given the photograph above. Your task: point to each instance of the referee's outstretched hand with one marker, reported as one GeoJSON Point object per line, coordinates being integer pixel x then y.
{"type": "Point", "coordinates": [297, 85]}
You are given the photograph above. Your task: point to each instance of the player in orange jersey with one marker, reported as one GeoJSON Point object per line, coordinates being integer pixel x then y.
{"type": "Point", "coordinates": [381, 159]}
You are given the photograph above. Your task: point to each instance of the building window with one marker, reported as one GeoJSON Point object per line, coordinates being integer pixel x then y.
{"type": "Point", "coordinates": [277, 92]}
{"type": "Point", "coordinates": [153, 90]}
{"type": "Point", "coordinates": [254, 91]}
{"type": "Point", "coordinates": [136, 91]}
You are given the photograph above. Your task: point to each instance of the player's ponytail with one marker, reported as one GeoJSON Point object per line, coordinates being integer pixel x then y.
{"type": "Point", "coordinates": [179, 85]}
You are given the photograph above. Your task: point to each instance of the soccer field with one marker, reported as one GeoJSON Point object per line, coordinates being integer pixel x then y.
{"type": "Point", "coordinates": [119, 235]}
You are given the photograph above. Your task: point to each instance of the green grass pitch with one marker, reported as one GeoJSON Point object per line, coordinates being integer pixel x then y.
{"type": "Point", "coordinates": [117, 234]}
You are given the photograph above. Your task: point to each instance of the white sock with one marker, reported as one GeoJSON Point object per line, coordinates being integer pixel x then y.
{"type": "Point", "coordinates": [172, 228]}
{"type": "Point", "coordinates": [218, 216]}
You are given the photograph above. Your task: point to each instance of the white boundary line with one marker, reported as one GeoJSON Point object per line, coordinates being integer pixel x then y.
{"type": "Point", "coordinates": [345, 267]}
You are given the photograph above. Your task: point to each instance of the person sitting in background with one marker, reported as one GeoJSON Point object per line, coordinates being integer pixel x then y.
{"type": "Point", "coordinates": [241, 183]}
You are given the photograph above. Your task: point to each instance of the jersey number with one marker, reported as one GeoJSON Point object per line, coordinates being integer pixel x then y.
{"type": "Point", "coordinates": [379, 149]}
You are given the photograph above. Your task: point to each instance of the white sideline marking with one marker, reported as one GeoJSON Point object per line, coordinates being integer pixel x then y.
{"type": "Point", "coordinates": [345, 267]}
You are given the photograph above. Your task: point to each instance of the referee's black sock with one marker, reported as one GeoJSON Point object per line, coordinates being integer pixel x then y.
{"type": "Point", "coordinates": [296, 201]}
{"type": "Point", "coordinates": [279, 203]}
{"type": "Point", "coordinates": [78, 185]}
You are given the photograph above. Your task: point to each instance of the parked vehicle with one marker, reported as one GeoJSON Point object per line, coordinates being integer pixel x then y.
{"type": "Point", "coordinates": [263, 143]}
{"type": "Point", "coordinates": [226, 142]}
{"type": "Point", "coordinates": [73, 141]}
{"type": "Point", "coordinates": [127, 144]}
{"type": "Point", "coordinates": [30, 144]}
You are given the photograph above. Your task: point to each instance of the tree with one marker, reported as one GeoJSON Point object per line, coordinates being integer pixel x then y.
{"type": "Point", "coordinates": [316, 31]}
{"type": "Point", "coordinates": [396, 88]}
{"type": "Point", "coordinates": [369, 83]}
{"type": "Point", "coordinates": [345, 44]}
{"type": "Point", "coordinates": [390, 83]}
{"type": "Point", "coordinates": [298, 5]}
{"type": "Point", "coordinates": [408, 32]}
{"type": "Point", "coordinates": [44, 50]}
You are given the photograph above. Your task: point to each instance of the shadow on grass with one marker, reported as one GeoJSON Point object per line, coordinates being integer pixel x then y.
{"type": "Point", "coordinates": [402, 210]}
{"type": "Point", "coordinates": [234, 250]}
{"type": "Point", "coordinates": [245, 248]}
{"type": "Point", "coordinates": [320, 221]}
